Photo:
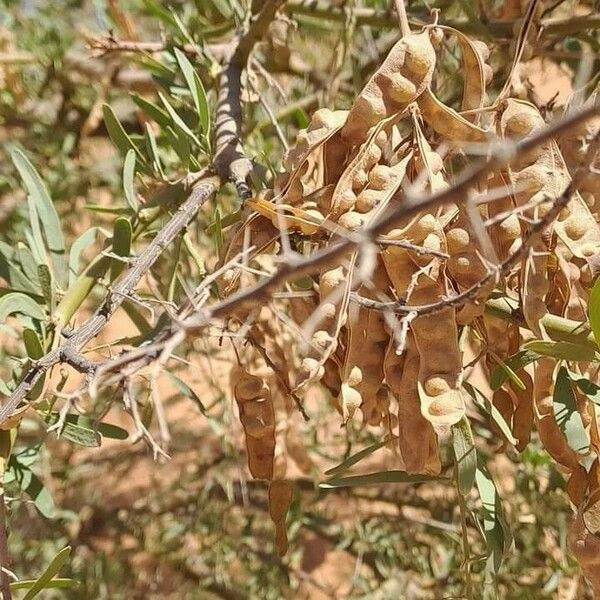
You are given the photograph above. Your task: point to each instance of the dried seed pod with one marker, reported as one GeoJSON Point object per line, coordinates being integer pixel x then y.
{"type": "Point", "coordinates": [257, 416]}
{"type": "Point", "coordinates": [585, 546]}
{"type": "Point", "coordinates": [403, 75]}
{"type": "Point", "coordinates": [440, 372]}
{"type": "Point", "coordinates": [447, 122]}
{"type": "Point", "coordinates": [523, 417]}
{"type": "Point", "coordinates": [416, 437]}
{"type": "Point", "coordinates": [362, 375]}
{"type": "Point", "coordinates": [280, 499]}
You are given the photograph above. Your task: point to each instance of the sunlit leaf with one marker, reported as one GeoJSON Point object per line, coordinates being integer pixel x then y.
{"type": "Point", "coordinates": [516, 362]}
{"type": "Point", "coordinates": [177, 119]}
{"type": "Point", "coordinates": [128, 175]}
{"type": "Point", "coordinates": [465, 455]}
{"type": "Point", "coordinates": [379, 478]}
{"type": "Point", "coordinates": [196, 89]}
{"type": "Point", "coordinates": [561, 350]}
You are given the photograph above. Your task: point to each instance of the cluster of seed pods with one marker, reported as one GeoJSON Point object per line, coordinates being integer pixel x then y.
{"type": "Point", "coordinates": [404, 372]}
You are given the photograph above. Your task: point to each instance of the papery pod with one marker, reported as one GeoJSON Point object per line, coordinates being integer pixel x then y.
{"type": "Point", "coordinates": [523, 417]}
{"type": "Point", "coordinates": [417, 440]}
{"type": "Point", "coordinates": [573, 145]}
{"type": "Point", "coordinates": [447, 122]}
{"type": "Point", "coordinates": [367, 341]}
{"type": "Point", "coordinates": [330, 317]}
{"type": "Point", "coordinates": [476, 72]}
{"type": "Point", "coordinates": [550, 435]}
{"type": "Point", "coordinates": [465, 265]}
{"type": "Point", "coordinates": [255, 231]}
{"type": "Point", "coordinates": [280, 499]}
{"type": "Point", "coordinates": [401, 78]}
{"type": "Point", "coordinates": [440, 371]}
{"type": "Point", "coordinates": [257, 416]}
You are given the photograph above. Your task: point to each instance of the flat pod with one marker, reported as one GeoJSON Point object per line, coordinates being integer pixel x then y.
{"type": "Point", "coordinates": [416, 437]}
{"type": "Point", "coordinates": [440, 372]}
{"type": "Point", "coordinates": [280, 499]}
{"type": "Point", "coordinates": [401, 78]}
{"type": "Point", "coordinates": [257, 416]}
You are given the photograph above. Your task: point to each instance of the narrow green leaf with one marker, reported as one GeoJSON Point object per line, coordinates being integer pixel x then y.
{"type": "Point", "coordinates": [177, 119]}
{"type": "Point", "coordinates": [508, 371]}
{"type": "Point", "coordinates": [117, 134]}
{"type": "Point", "coordinates": [57, 563]}
{"type": "Point", "coordinates": [29, 264]}
{"type": "Point", "coordinates": [482, 402]}
{"type": "Point", "coordinates": [379, 478]}
{"type": "Point", "coordinates": [516, 362]}
{"type": "Point", "coordinates": [567, 416]}
{"type": "Point", "coordinates": [594, 310]}
{"type": "Point", "coordinates": [16, 302]}
{"type": "Point", "coordinates": [12, 273]}
{"type": "Point", "coordinates": [121, 245]}
{"type": "Point", "coordinates": [152, 110]}
{"type": "Point", "coordinates": [41, 205]}
{"type": "Point", "coordinates": [47, 286]}
{"type": "Point", "coordinates": [561, 350]}
{"type": "Point", "coordinates": [497, 535]}
{"type": "Point", "coordinates": [128, 175]}
{"type": "Point", "coordinates": [180, 143]}
{"type": "Point", "coordinates": [58, 583]}
{"type": "Point", "coordinates": [356, 458]}
{"type": "Point", "coordinates": [196, 89]}
{"type": "Point", "coordinates": [79, 245]}
{"type": "Point", "coordinates": [155, 9]}
{"type": "Point", "coordinates": [590, 389]}
{"type": "Point", "coordinates": [187, 391]}
{"type": "Point", "coordinates": [152, 148]}
{"type": "Point", "coordinates": [465, 455]}
{"type": "Point", "coordinates": [32, 485]}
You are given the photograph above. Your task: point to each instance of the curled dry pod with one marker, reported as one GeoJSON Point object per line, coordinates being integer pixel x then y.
{"type": "Point", "coordinates": [416, 437]}
{"type": "Point", "coordinates": [476, 76]}
{"type": "Point", "coordinates": [401, 78]}
{"type": "Point", "coordinates": [257, 416]}
{"type": "Point", "coordinates": [440, 371]}
{"type": "Point", "coordinates": [280, 499]}
{"type": "Point", "coordinates": [447, 122]}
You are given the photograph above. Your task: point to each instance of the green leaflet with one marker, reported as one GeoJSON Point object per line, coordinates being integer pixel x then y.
{"type": "Point", "coordinates": [465, 455]}
{"type": "Point", "coordinates": [379, 478]}
{"type": "Point", "coordinates": [17, 302]}
{"type": "Point", "coordinates": [44, 580]}
{"type": "Point", "coordinates": [567, 416]}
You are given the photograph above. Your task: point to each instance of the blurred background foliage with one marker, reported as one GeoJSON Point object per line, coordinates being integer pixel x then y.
{"type": "Point", "coordinates": [195, 527]}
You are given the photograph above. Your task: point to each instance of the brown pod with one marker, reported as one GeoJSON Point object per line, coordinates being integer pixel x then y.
{"type": "Point", "coordinates": [280, 499]}
{"type": "Point", "coordinates": [257, 416]}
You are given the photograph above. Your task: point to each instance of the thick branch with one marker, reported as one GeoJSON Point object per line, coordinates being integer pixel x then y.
{"type": "Point", "coordinates": [230, 160]}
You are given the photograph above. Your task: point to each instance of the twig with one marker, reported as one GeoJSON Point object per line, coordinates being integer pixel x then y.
{"type": "Point", "coordinates": [71, 347]}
